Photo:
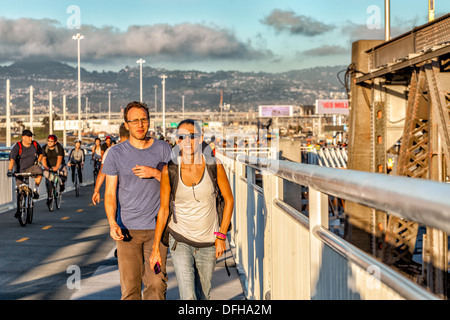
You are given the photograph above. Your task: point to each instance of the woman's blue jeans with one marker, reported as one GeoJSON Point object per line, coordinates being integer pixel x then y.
{"type": "Point", "coordinates": [194, 269]}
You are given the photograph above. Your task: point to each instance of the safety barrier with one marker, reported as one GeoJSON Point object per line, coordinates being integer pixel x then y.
{"type": "Point", "coordinates": [283, 254]}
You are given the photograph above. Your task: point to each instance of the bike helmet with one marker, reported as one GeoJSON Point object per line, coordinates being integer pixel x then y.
{"type": "Point", "coordinates": [53, 137]}
{"type": "Point", "coordinates": [78, 140]}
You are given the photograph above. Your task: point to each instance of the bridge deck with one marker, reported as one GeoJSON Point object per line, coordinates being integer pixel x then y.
{"type": "Point", "coordinates": [78, 234]}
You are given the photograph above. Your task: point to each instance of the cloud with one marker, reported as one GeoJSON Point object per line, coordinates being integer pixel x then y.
{"type": "Point", "coordinates": [23, 38]}
{"type": "Point", "coordinates": [295, 24]}
{"type": "Point", "coordinates": [324, 51]}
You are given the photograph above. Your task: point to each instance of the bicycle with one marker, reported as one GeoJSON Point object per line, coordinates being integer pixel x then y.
{"type": "Point", "coordinates": [76, 183]}
{"type": "Point", "coordinates": [97, 166]}
{"type": "Point", "coordinates": [54, 187]}
{"type": "Point", "coordinates": [25, 203]}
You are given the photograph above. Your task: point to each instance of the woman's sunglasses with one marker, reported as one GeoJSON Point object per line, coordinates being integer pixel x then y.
{"type": "Point", "coordinates": [182, 136]}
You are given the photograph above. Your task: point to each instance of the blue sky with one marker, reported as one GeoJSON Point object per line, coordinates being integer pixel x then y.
{"type": "Point", "coordinates": [208, 35]}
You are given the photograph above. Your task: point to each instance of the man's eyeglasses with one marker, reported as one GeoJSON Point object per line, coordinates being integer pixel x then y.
{"type": "Point", "coordinates": [136, 121]}
{"type": "Point", "coordinates": [182, 136]}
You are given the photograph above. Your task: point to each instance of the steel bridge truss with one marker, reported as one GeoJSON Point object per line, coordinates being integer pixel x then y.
{"type": "Point", "coordinates": [405, 84]}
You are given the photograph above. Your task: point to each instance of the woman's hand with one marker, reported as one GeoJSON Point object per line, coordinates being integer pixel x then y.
{"type": "Point", "coordinates": [221, 247]}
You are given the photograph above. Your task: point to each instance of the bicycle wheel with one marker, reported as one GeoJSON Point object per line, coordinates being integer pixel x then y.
{"type": "Point", "coordinates": [30, 211]}
{"type": "Point", "coordinates": [23, 212]}
{"type": "Point", "coordinates": [50, 202]}
{"type": "Point", "coordinates": [95, 177]}
{"type": "Point", "coordinates": [57, 195]}
{"type": "Point", "coordinates": [77, 188]}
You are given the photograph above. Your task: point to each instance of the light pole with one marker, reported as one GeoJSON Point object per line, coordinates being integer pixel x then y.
{"type": "Point", "coordinates": [50, 116]}
{"type": "Point", "coordinates": [8, 113]}
{"type": "Point", "coordinates": [387, 18]}
{"type": "Point", "coordinates": [140, 61]}
{"type": "Point", "coordinates": [156, 87]}
{"type": "Point", "coordinates": [164, 77]}
{"type": "Point", "coordinates": [109, 107]}
{"type": "Point", "coordinates": [182, 104]}
{"type": "Point", "coordinates": [31, 108]}
{"type": "Point", "coordinates": [64, 118]}
{"type": "Point", "coordinates": [79, 37]}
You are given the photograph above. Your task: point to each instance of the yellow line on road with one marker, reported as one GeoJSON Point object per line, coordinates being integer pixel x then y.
{"type": "Point", "coordinates": [46, 227]}
{"type": "Point", "coordinates": [65, 218]}
{"type": "Point", "coordinates": [22, 240]}
{"type": "Point", "coordinates": [80, 210]}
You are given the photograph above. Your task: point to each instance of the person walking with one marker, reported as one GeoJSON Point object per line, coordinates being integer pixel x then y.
{"type": "Point", "coordinates": [196, 236]}
{"type": "Point", "coordinates": [133, 174]}
{"type": "Point", "coordinates": [124, 135]}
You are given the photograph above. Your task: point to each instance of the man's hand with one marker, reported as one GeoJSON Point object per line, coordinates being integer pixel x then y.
{"type": "Point", "coordinates": [144, 171]}
{"type": "Point", "coordinates": [96, 198]}
{"type": "Point", "coordinates": [115, 232]}
{"type": "Point", "coordinates": [10, 173]}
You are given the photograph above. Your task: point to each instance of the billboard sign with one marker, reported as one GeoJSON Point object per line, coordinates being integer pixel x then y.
{"type": "Point", "coordinates": [275, 111]}
{"type": "Point", "coordinates": [332, 107]}
{"type": "Point", "coordinates": [70, 125]}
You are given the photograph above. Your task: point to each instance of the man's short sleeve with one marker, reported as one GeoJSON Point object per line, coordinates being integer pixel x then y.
{"type": "Point", "coordinates": [14, 152]}
{"type": "Point", "coordinates": [39, 149]}
{"type": "Point", "coordinates": [60, 150]}
{"type": "Point", "coordinates": [109, 165]}
{"type": "Point", "coordinates": [43, 150]}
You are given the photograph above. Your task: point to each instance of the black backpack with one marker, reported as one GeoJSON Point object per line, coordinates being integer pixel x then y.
{"type": "Point", "coordinates": [211, 167]}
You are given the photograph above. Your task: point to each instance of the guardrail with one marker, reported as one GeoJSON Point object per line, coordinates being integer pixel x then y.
{"type": "Point", "coordinates": [283, 254]}
{"type": "Point", "coordinates": [325, 157]}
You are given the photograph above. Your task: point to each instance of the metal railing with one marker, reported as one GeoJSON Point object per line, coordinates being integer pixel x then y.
{"type": "Point", "coordinates": [283, 254]}
{"type": "Point", "coordinates": [325, 157]}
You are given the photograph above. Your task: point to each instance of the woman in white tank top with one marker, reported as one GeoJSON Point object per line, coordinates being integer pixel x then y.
{"type": "Point", "coordinates": [196, 239]}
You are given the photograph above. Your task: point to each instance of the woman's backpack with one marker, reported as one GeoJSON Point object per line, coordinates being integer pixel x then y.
{"type": "Point", "coordinates": [211, 167]}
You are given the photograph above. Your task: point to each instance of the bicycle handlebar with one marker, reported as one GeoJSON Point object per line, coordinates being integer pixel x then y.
{"type": "Point", "coordinates": [24, 174]}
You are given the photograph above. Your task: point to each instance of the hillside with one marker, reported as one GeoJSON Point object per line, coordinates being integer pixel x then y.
{"type": "Point", "coordinates": [243, 90]}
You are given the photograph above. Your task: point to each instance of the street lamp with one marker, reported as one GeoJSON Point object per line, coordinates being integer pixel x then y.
{"type": "Point", "coordinates": [8, 113]}
{"type": "Point", "coordinates": [156, 87]}
{"type": "Point", "coordinates": [140, 61]}
{"type": "Point", "coordinates": [109, 107]}
{"type": "Point", "coordinates": [31, 108]}
{"type": "Point", "coordinates": [182, 104]}
{"type": "Point", "coordinates": [79, 37]}
{"type": "Point", "coordinates": [164, 77]}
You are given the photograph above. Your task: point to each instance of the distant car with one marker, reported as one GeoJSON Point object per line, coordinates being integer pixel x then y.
{"type": "Point", "coordinates": [4, 155]}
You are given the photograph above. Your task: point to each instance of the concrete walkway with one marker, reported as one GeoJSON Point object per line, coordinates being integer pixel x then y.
{"type": "Point", "coordinates": [104, 284]}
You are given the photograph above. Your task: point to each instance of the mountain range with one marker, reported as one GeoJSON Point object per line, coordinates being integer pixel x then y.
{"type": "Point", "coordinates": [243, 91]}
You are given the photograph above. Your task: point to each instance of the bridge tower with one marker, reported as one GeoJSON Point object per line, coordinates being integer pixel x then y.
{"type": "Point", "coordinates": [399, 96]}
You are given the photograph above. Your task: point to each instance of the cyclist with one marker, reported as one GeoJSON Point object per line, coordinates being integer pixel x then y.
{"type": "Point", "coordinates": [106, 145]}
{"type": "Point", "coordinates": [26, 155]}
{"type": "Point", "coordinates": [53, 160]}
{"type": "Point", "coordinates": [97, 154]}
{"type": "Point", "coordinates": [76, 157]}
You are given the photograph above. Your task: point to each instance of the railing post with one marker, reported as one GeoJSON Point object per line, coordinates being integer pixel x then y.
{"type": "Point", "coordinates": [270, 189]}
{"type": "Point", "coordinates": [318, 217]}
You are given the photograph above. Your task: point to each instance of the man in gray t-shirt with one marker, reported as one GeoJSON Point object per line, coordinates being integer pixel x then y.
{"type": "Point", "coordinates": [137, 164]}
{"type": "Point", "coordinates": [138, 198]}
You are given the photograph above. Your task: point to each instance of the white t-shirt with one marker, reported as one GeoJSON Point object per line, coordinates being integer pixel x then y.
{"type": "Point", "coordinates": [195, 210]}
